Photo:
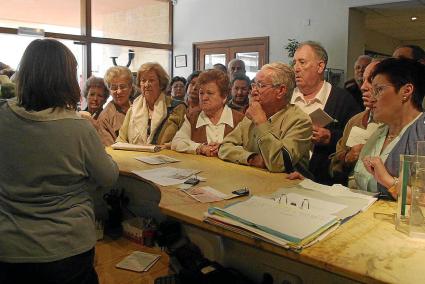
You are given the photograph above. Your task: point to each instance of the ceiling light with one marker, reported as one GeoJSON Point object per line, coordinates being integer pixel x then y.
{"type": "Point", "coordinates": [413, 18]}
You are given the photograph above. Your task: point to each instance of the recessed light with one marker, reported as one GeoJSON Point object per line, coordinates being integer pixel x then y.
{"type": "Point", "coordinates": [413, 18]}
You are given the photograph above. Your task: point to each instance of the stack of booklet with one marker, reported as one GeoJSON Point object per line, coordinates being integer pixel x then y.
{"type": "Point", "coordinates": [294, 217]}
{"type": "Point", "coordinates": [135, 147]}
{"type": "Point", "coordinates": [138, 261]}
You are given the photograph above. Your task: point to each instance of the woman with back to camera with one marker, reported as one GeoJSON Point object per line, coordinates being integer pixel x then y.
{"type": "Point", "coordinates": [51, 157]}
{"type": "Point", "coordinates": [399, 89]}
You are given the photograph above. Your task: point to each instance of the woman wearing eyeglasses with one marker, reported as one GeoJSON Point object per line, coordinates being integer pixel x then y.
{"type": "Point", "coordinates": [153, 118]}
{"type": "Point", "coordinates": [204, 130]}
{"type": "Point", "coordinates": [399, 89]}
{"type": "Point", "coordinates": [119, 81]}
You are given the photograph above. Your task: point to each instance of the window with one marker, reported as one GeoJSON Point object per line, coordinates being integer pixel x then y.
{"type": "Point", "coordinates": [253, 51]}
{"type": "Point", "coordinates": [94, 30]}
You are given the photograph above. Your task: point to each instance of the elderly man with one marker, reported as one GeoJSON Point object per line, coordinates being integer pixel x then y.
{"type": "Point", "coordinates": [345, 158]}
{"type": "Point", "coordinates": [314, 92]}
{"type": "Point", "coordinates": [353, 85]}
{"type": "Point", "coordinates": [274, 135]}
{"type": "Point", "coordinates": [235, 66]}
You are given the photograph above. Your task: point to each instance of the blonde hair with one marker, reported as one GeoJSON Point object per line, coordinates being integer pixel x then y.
{"type": "Point", "coordinates": [118, 71]}
{"type": "Point", "coordinates": [282, 74]}
{"type": "Point", "coordinates": [158, 69]}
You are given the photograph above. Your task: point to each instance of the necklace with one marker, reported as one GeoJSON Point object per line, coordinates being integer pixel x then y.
{"type": "Point", "coordinates": [391, 137]}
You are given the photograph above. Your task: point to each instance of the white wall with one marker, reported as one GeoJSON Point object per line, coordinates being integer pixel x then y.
{"type": "Point", "coordinates": [207, 20]}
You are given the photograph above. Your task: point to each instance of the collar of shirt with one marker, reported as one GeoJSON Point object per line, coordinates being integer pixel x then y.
{"type": "Point", "coordinates": [321, 97]}
{"type": "Point", "coordinates": [226, 118]}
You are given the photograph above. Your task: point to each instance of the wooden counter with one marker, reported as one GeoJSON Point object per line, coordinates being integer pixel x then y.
{"type": "Point", "coordinates": [367, 248]}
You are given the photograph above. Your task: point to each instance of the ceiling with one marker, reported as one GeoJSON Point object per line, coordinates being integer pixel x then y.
{"type": "Point", "coordinates": [394, 20]}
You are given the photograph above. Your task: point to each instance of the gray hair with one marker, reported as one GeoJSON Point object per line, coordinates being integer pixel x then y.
{"type": "Point", "coordinates": [233, 61]}
{"type": "Point", "coordinates": [95, 82]}
{"type": "Point", "coordinates": [282, 74]}
{"type": "Point", "coordinates": [318, 49]}
{"type": "Point", "coordinates": [118, 71]}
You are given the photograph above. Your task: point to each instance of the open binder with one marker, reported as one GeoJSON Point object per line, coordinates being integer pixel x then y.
{"type": "Point", "coordinates": [294, 217]}
{"type": "Point", "coordinates": [286, 225]}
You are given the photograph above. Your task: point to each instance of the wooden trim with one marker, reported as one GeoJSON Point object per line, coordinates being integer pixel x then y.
{"type": "Point", "coordinates": [171, 33]}
{"type": "Point", "coordinates": [233, 42]}
{"type": "Point", "coordinates": [261, 44]}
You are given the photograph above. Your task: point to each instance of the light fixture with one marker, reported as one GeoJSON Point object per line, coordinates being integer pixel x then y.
{"type": "Point", "coordinates": [413, 19]}
{"type": "Point", "coordinates": [30, 32]}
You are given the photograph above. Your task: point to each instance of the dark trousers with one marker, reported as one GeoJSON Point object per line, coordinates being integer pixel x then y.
{"type": "Point", "coordinates": [76, 269]}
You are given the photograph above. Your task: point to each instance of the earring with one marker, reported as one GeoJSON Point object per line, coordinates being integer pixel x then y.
{"type": "Point", "coordinates": [404, 99]}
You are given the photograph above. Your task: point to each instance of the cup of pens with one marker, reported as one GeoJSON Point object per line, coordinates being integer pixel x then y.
{"type": "Point", "coordinates": [411, 196]}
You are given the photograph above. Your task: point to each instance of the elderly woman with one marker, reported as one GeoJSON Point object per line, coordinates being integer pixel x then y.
{"type": "Point", "coordinates": [176, 87]}
{"type": "Point", "coordinates": [120, 83]}
{"type": "Point", "coordinates": [192, 95]}
{"type": "Point", "coordinates": [51, 157]}
{"type": "Point", "coordinates": [399, 88]}
{"type": "Point", "coordinates": [152, 119]}
{"type": "Point", "coordinates": [203, 131]}
{"type": "Point", "coordinates": [96, 93]}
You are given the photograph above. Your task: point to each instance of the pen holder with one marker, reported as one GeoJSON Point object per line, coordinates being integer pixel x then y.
{"type": "Point", "coordinates": [411, 196]}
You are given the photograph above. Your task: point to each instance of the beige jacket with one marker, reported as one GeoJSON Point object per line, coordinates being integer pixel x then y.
{"type": "Point", "coordinates": [288, 130]}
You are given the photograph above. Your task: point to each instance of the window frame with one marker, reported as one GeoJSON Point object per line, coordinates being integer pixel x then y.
{"type": "Point", "coordinates": [230, 48]}
{"type": "Point", "coordinates": [86, 38]}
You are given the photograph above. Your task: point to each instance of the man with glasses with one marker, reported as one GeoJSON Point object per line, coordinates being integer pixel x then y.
{"type": "Point", "coordinates": [314, 92]}
{"type": "Point", "coordinates": [274, 135]}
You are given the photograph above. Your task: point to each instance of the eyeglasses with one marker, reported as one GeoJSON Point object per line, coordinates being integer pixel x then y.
{"type": "Point", "coordinates": [115, 88]}
{"type": "Point", "coordinates": [258, 85]}
{"type": "Point", "coordinates": [377, 90]}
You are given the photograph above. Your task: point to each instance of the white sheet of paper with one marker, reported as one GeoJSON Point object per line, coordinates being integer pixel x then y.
{"type": "Point", "coordinates": [320, 118]}
{"type": "Point", "coordinates": [157, 159]}
{"type": "Point", "coordinates": [166, 176]}
{"type": "Point", "coordinates": [360, 136]}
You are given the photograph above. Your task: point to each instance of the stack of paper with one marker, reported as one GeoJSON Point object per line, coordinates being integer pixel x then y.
{"type": "Point", "coordinates": [157, 159]}
{"type": "Point", "coordinates": [138, 261]}
{"type": "Point", "coordinates": [286, 225]}
{"type": "Point", "coordinates": [135, 147]}
{"type": "Point", "coordinates": [166, 176]}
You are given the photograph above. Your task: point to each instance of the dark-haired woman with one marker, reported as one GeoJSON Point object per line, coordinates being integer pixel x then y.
{"type": "Point", "coordinates": [399, 89]}
{"type": "Point", "coordinates": [51, 157]}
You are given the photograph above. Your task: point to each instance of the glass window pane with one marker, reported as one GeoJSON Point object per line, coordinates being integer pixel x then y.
{"type": "Point", "coordinates": [12, 48]}
{"type": "Point", "coordinates": [131, 20]}
{"type": "Point", "coordinates": [251, 60]}
{"type": "Point", "coordinates": [50, 15]}
{"type": "Point", "coordinates": [102, 57]}
{"type": "Point", "coordinates": [211, 59]}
